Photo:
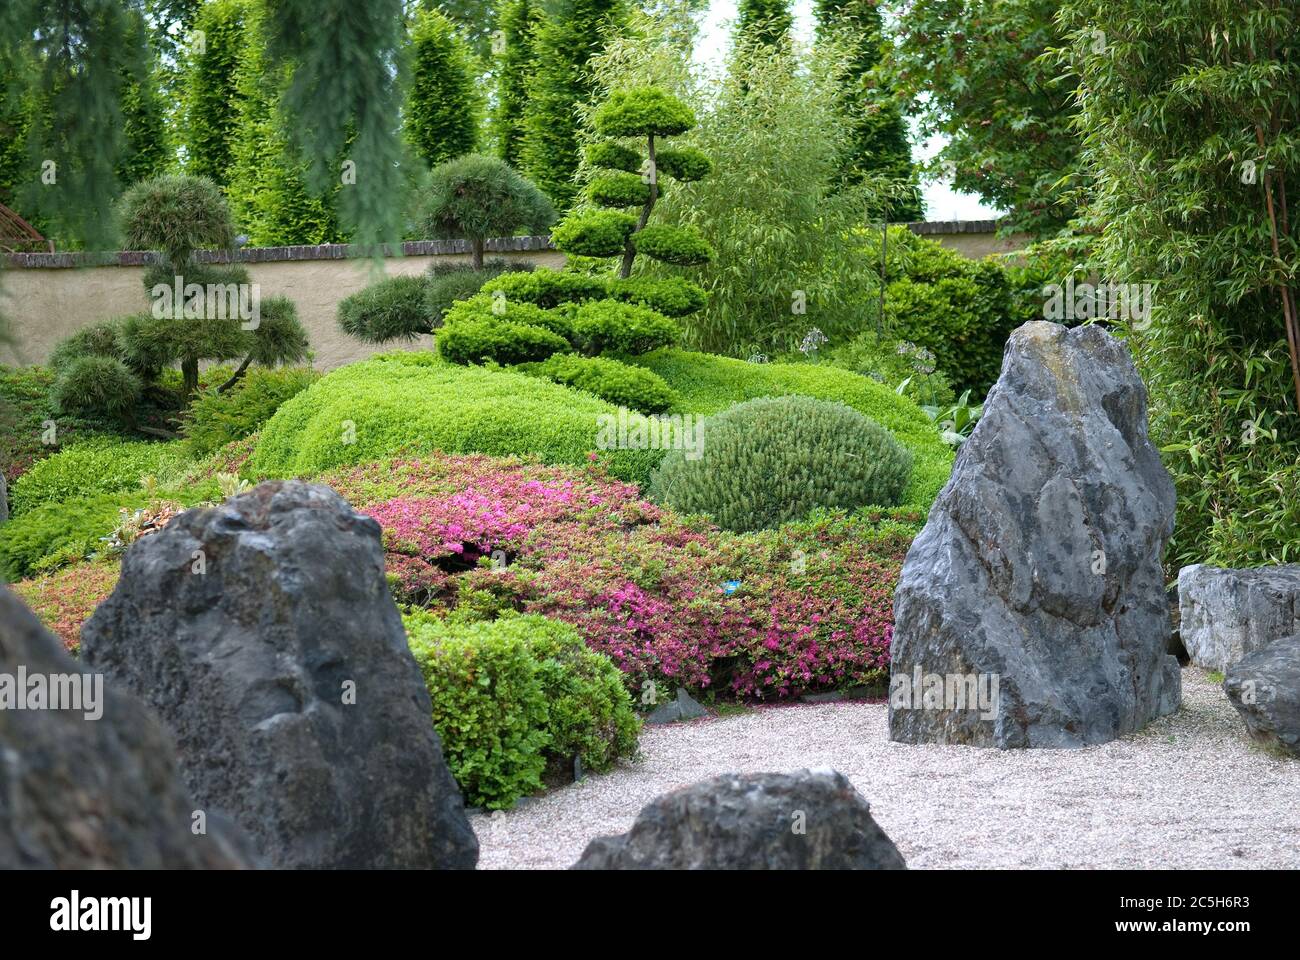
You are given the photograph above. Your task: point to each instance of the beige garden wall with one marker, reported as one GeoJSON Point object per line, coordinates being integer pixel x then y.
{"type": "Point", "coordinates": [46, 302]}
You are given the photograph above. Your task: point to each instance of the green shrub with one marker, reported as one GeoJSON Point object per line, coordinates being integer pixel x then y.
{"type": "Point", "coordinates": [510, 695]}
{"type": "Point", "coordinates": [102, 339]}
{"type": "Point", "coordinates": [708, 384]}
{"type": "Point", "coordinates": [683, 246]}
{"type": "Point", "coordinates": [622, 385]}
{"type": "Point", "coordinates": [613, 156]}
{"type": "Point", "coordinates": [92, 385]}
{"type": "Point", "coordinates": [488, 707]}
{"type": "Point", "coordinates": [386, 310]}
{"type": "Point", "coordinates": [594, 233]}
{"type": "Point", "coordinates": [216, 419]}
{"type": "Point", "coordinates": [768, 461]}
{"type": "Point", "coordinates": [618, 190]}
{"type": "Point", "coordinates": [894, 364]}
{"type": "Point", "coordinates": [639, 111]}
{"type": "Point", "coordinates": [55, 534]}
{"type": "Point", "coordinates": [447, 283]}
{"type": "Point", "coordinates": [671, 296]}
{"type": "Point", "coordinates": [547, 288]}
{"type": "Point", "coordinates": [482, 330]}
{"type": "Point", "coordinates": [94, 466]}
{"type": "Point", "coordinates": [444, 102]}
{"type": "Point", "coordinates": [684, 163]}
{"type": "Point", "coordinates": [606, 326]}
{"type": "Point", "coordinates": [176, 214]}
{"type": "Point", "coordinates": [379, 407]}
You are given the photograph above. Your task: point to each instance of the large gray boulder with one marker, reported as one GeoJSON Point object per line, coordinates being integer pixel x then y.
{"type": "Point", "coordinates": [94, 784]}
{"type": "Point", "coordinates": [1227, 614]}
{"type": "Point", "coordinates": [1037, 578]}
{"type": "Point", "coordinates": [263, 632]}
{"type": "Point", "coordinates": [806, 820]}
{"type": "Point", "coordinates": [1264, 686]}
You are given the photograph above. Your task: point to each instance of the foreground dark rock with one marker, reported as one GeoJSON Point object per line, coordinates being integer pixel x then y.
{"type": "Point", "coordinates": [89, 794]}
{"type": "Point", "coordinates": [1040, 565]}
{"type": "Point", "coordinates": [806, 820]}
{"type": "Point", "coordinates": [263, 633]}
{"type": "Point", "coordinates": [1227, 614]}
{"type": "Point", "coordinates": [1264, 686]}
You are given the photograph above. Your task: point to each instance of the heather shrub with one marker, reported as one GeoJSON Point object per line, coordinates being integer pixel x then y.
{"type": "Point", "coordinates": [216, 419]}
{"type": "Point", "coordinates": [414, 401]}
{"type": "Point", "coordinates": [775, 459]}
{"type": "Point", "coordinates": [770, 614]}
{"type": "Point", "coordinates": [619, 383]}
{"type": "Point", "coordinates": [93, 466]}
{"type": "Point", "coordinates": [708, 384]}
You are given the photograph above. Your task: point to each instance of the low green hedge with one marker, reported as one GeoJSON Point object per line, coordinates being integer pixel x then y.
{"type": "Point", "coordinates": [93, 466]}
{"type": "Point", "coordinates": [708, 384]}
{"type": "Point", "coordinates": [415, 401]}
{"type": "Point", "coordinates": [511, 696]}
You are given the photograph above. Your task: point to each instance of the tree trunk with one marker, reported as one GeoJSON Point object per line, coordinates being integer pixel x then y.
{"type": "Point", "coordinates": [477, 245]}
{"type": "Point", "coordinates": [629, 252]}
{"type": "Point", "coordinates": [236, 376]}
{"type": "Point", "coordinates": [190, 376]}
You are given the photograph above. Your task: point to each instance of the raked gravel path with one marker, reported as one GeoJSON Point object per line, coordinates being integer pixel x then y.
{"type": "Point", "coordinates": [1190, 791]}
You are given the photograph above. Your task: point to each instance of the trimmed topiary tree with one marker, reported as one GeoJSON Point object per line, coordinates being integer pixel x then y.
{"type": "Point", "coordinates": [443, 104]}
{"type": "Point", "coordinates": [477, 197]}
{"type": "Point", "coordinates": [768, 461]}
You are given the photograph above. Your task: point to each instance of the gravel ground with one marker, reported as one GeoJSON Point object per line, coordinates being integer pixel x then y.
{"type": "Point", "coordinates": [1190, 791]}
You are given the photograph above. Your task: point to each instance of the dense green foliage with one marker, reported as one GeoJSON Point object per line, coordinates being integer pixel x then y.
{"type": "Point", "coordinates": [443, 105]}
{"type": "Point", "coordinates": [215, 419]}
{"type": "Point", "coordinates": [387, 309]}
{"type": "Point", "coordinates": [895, 363]}
{"type": "Point", "coordinates": [622, 329]}
{"type": "Point", "coordinates": [763, 22]}
{"type": "Point", "coordinates": [515, 64]}
{"type": "Point", "coordinates": [566, 39]}
{"type": "Point", "coordinates": [447, 283]}
{"type": "Point", "coordinates": [375, 408]}
{"type": "Point", "coordinates": [510, 694]}
{"type": "Point", "coordinates": [93, 466]}
{"type": "Point", "coordinates": [768, 461]}
{"type": "Point", "coordinates": [976, 75]}
{"type": "Point", "coordinates": [472, 333]}
{"type": "Point", "coordinates": [620, 384]}
{"type": "Point", "coordinates": [176, 215]}
{"type": "Point", "coordinates": [594, 233]}
{"type": "Point", "coordinates": [477, 197]}
{"type": "Point", "coordinates": [1191, 129]}
{"type": "Point", "coordinates": [211, 117]}
{"type": "Point", "coordinates": [709, 384]}
{"type": "Point", "coordinates": [878, 144]}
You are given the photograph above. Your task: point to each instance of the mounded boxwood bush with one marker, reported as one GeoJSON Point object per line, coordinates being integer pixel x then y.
{"type": "Point", "coordinates": [99, 465]}
{"type": "Point", "coordinates": [618, 190]}
{"type": "Point", "coordinates": [510, 695]}
{"type": "Point", "coordinates": [374, 409]}
{"type": "Point", "coordinates": [768, 461]}
{"type": "Point", "coordinates": [638, 111]}
{"type": "Point", "coordinates": [708, 384]}
{"type": "Point", "coordinates": [684, 163]}
{"type": "Point", "coordinates": [386, 310]}
{"type": "Point", "coordinates": [216, 419]}
{"type": "Point", "coordinates": [621, 384]}
{"type": "Point", "coordinates": [487, 329]}
{"type": "Point", "coordinates": [613, 156]}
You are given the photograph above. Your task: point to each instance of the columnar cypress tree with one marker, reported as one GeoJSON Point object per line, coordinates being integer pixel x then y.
{"type": "Point", "coordinates": [211, 113]}
{"type": "Point", "coordinates": [443, 103]}
{"type": "Point", "coordinates": [766, 22]}
{"type": "Point", "coordinates": [566, 41]}
{"type": "Point", "coordinates": [146, 150]}
{"type": "Point", "coordinates": [879, 134]}
{"type": "Point", "coordinates": [516, 62]}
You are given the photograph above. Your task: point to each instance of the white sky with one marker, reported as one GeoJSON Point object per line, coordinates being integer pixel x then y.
{"type": "Point", "coordinates": [941, 201]}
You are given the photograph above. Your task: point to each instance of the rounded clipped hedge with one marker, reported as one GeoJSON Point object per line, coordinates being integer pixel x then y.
{"type": "Point", "coordinates": [418, 402]}
{"type": "Point", "coordinates": [512, 695]}
{"type": "Point", "coordinates": [671, 296]}
{"type": "Point", "coordinates": [607, 326]}
{"type": "Point", "coordinates": [613, 156]}
{"type": "Point", "coordinates": [594, 233]}
{"type": "Point", "coordinates": [768, 461]}
{"type": "Point", "coordinates": [641, 111]}
{"type": "Point", "coordinates": [684, 163]}
{"type": "Point", "coordinates": [547, 288]}
{"type": "Point", "coordinates": [684, 246]}
{"type": "Point", "coordinates": [484, 338]}
{"type": "Point", "coordinates": [618, 190]}
{"type": "Point", "coordinates": [621, 384]}
{"type": "Point", "coordinates": [708, 384]}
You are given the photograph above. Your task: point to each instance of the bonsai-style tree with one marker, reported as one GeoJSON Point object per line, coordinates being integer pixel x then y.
{"type": "Point", "coordinates": [199, 312]}
{"type": "Point", "coordinates": [476, 197]}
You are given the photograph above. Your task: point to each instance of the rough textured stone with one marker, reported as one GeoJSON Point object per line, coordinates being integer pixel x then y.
{"type": "Point", "coordinates": [1040, 563]}
{"type": "Point", "coordinates": [1264, 686]}
{"type": "Point", "coordinates": [1227, 614]}
{"type": "Point", "coordinates": [80, 793]}
{"type": "Point", "coordinates": [806, 820]}
{"type": "Point", "coordinates": [250, 663]}
{"type": "Point", "coordinates": [682, 707]}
